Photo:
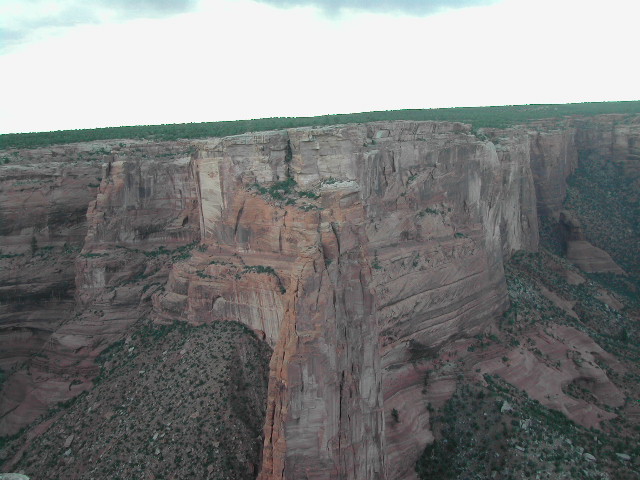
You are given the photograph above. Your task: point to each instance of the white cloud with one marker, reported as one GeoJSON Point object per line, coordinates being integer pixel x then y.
{"type": "Point", "coordinates": [411, 7]}
{"type": "Point", "coordinates": [239, 59]}
{"type": "Point", "coordinates": [33, 20]}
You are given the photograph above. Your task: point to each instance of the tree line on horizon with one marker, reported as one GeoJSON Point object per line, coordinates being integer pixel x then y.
{"type": "Point", "coordinates": [478, 117]}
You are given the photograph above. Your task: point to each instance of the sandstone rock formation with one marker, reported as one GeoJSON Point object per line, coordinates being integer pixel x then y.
{"type": "Point", "coordinates": [347, 297]}
{"type": "Point", "coordinates": [554, 156]}
{"type": "Point", "coordinates": [357, 252]}
{"type": "Point", "coordinates": [71, 279]}
{"type": "Point", "coordinates": [579, 251]}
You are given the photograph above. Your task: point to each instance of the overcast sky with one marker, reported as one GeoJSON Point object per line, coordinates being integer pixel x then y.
{"type": "Point", "coordinates": [89, 63]}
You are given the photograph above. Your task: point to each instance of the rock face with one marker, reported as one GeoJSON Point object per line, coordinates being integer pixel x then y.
{"type": "Point", "coordinates": [354, 251]}
{"type": "Point", "coordinates": [614, 137]}
{"type": "Point", "coordinates": [582, 253]}
{"type": "Point", "coordinates": [42, 222]}
{"type": "Point", "coordinates": [554, 156]}
{"type": "Point", "coordinates": [350, 247]}
{"type": "Point", "coordinates": [71, 281]}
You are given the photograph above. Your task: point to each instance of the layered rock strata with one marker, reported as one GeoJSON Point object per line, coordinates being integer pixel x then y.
{"type": "Point", "coordinates": [355, 251]}
{"type": "Point", "coordinates": [73, 267]}
{"type": "Point", "coordinates": [350, 248]}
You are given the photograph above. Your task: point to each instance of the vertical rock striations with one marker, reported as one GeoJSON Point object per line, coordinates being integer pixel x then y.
{"type": "Point", "coordinates": [554, 157]}
{"type": "Point", "coordinates": [349, 247]}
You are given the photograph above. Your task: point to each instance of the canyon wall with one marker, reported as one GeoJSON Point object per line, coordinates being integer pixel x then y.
{"type": "Point", "coordinates": [355, 251]}
{"type": "Point", "coordinates": [73, 218]}
{"type": "Point", "coordinates": [349, 248]}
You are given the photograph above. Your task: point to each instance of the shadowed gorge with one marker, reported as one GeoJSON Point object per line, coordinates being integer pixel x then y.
{"type": "Point", "coordinates": [317, 302]}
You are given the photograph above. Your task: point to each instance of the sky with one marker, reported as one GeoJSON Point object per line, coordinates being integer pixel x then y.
{"type": "Point", "coordinates": [69, 64]}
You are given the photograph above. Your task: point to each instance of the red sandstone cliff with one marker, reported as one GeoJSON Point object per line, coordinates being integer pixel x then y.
{"type": "Point", "coordinates": [354, 250]}
{"type": "Point", "coordinates": [72, 217]}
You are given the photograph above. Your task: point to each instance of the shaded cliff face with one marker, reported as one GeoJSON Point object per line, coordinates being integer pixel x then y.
{"type": "Point", "coordinates": [43, 225]}
{"type": "Point", "coordinates": [366, 256]}
{"type": "Point", "coordinates": [554, 157]}
{"type": "Point", "coordinates": [72, 218]}
{"type": "Point", "coordinates": [603, 192]}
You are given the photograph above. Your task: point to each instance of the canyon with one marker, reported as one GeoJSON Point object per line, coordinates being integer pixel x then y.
{"type": "Point", "coordinates": [367, 258]}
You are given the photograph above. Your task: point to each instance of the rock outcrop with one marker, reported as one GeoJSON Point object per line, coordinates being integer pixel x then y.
{"type": "Point", "coordinates": [356, 252]}
{"type": "Point", "coordinates": [349, 247]}
{"type": "Point", "coordinates": [581, 252]}
{"type": "Point", "coordinates": [554, 156]}
{"type": "Point", "coordinates": [71, 283]}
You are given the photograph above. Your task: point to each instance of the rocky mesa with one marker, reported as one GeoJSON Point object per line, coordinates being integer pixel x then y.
{"type": "Point", "coordinates": [368, 257]}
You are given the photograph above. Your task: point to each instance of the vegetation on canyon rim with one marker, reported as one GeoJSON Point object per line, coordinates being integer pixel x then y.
{"type": "Point", "coordinates": [479, 117]}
